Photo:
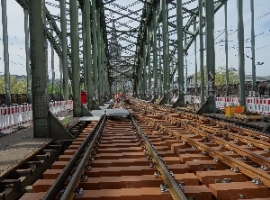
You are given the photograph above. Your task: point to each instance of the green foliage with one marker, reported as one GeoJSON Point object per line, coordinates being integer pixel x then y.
{"type": "Point", "coordinates": [2, 85]}
{"type": "Point", "coordinates": [220, 78]}
{"type": "Point", "coordinates": [56, 89]}
{"type": "Point", "coordinates": [16, 86]}
{"type": "Point", "coordinates": [19, 87]}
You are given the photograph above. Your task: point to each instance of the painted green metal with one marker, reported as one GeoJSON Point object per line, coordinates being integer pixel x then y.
{"type": "Point", "coordinates": [39, 71]}
{"type": "Point", "coordinates": [88, 54]}
{"type": "Point", "coordinates": [84, 48]}
{"type": "Point", "coordinates": [149, 67]}
{"type": "Point", "coordinates": [155, 53]}
{"type": "Point", "coordinates": [201, 49]}
{"type": "Point", "coordinates": [159, 64]}
{"type": "Point", "coordinates": [210, 54]}
{"type": "Point", "coordinates": [226, 49]}
{"type": "Point", "coordinates": [64, 48]}
{"type": "Point", "coordinates": [186, 67]}
{"type": "Point", "coordinates": [166, 65]}
{"type": "Point", "coordinates": [195, 61]}
{"type": "Point", "coordinates": [61, 76]}
{"type": "Point", "coordinates": [254, 88]}
{"type": "Point", "coordinates": [102, 71]}
{"type": "Point", "coordinates": [140, 77]}
{"type": "Point", "coordinates": [73, 7]}
{"type": "Point", "coordinates": [6, 57]}
{"type": "Point", "coordinates": [52, 70]}
{"type": "Point", "coordinates": [99, 60]}
{"type": "Point", "coordinates": [144, 83]}
{"type": "Point", "coordinates": [149, 32]}
{"type": "Point", "coordinates": [180, 63]}
{"type": "Point", "coordinates": [241, 57]}
{"type": "Point", "coordinates": [94, 49]}
{"type": "Point", "coordinates": [27, 55]}
{"type": "Point", "coordinates": [46, 60]}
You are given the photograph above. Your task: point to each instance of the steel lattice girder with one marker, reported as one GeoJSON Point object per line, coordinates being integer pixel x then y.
{"type": "Point", "coordinates": [193, 13]}
{"type": "Point", "coordinates": [139, 35]}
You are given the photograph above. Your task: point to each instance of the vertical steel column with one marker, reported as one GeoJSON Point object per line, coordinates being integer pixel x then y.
{"type": "Point", "coordinates": [52, 68]}
{"type": "Point", "coordinates": [61, 76]}
{"type": "Point", "coordinates": [180, 53]}
{"type": "Point", "coordinates": [39, 70]}
{"type": "Point", "coordinates": [186, 67]}
{"type": "Point", "coordinates": [73, 9]}
{"type": "Point", "coordinates": [64, 48]}
{"type": "Point", "coordinates": [84, 48]}
{"type": "Point", "coordinates": [144, 83]}
{"type": "Point", "coordinates": [88, 75]}
{"type": "Point", "coordinates": [99, 38]}
{"type": "Point", "coordinates": [94, 48]}
{"type": "Point", "coordinates": [102, 67]}
{"type": "Point", "coordinates": [166, 64]}
{"type": "Point", "coordinates": [27, 55]}
{"type": "Point", "coordinates": [241, 64]}
{"type": "Point", "coordinates": [149, 32]}
{"type": "Point", "coordinates": [226, 49]}
{"type": "Point", "coordinates": [254, 88]}
{"type": "Point", "coordinates": [210, 54]}
{"type": "Point", "coordinates": [46, 60]}
{"type": "Point", "coordinates": [140, 77]}
{"type": "Point", "coordinates": [195, 55]}
{"type": "Point", "coordinates": [201, 49]}
{"type": "Point", "coordinates": [6, 54]}
{"type": "Point", "coordinates": [160, 76]}
{"type": "Point", "coordinates": [155, 55]}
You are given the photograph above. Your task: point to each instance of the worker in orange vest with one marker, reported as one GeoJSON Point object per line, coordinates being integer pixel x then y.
{"type": "Point", "coordinates": [117, 97]}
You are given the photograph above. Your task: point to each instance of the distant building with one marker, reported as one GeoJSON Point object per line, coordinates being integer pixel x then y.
{"type": "Point", "coordinates": [248, 78]}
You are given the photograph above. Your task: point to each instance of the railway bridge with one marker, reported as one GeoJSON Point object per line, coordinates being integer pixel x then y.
{"type": "Point", "coordinates": [124, 125]}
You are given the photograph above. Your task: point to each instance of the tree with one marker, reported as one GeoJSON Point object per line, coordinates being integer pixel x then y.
{"type": "Point", "coordinates": [56, 89]}
{"type": "Point", "coordinates": [17, 86]}
{"type": "Point", "coordinates": [220, 77]}
{"type": "Point", "coordinates": [2, 85]}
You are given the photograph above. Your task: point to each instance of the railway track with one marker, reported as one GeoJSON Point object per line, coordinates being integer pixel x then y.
{"type": "Point", "coordinates": [19, 178]}
{"type": "Point", "coordinates": [118, 162]}
{"type": "Point", "coordinates": [15, 181]}
{"type": "Point", "coordinates": [160, 153]}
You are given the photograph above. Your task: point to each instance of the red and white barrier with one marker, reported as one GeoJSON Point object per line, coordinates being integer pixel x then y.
{"type": "Point", "coordinates": [15, 116]}
{"type": "Point", "coordinates": [18, 115]}
{"type": "Point", "coordinates": [60, 107]}
{"type": "Point", "coordinates": [253, 104]}
{"type": "Point", "coordinates": [220, 102]}
{"type": "Point", "coordinates": [267, 107]}
{"type": "Point", "coordinates": [197, 99]}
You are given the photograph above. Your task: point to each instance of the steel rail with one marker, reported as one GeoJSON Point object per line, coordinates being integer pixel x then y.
{"type": "Point", "coordinates": [230, 125]}
{"type": "Point", "coordinates": [59, 182]}
{"type": "Point", "coordinates": [243, 152]}
{"type": "Point", "coordinates": [174, 189]}
{"type": "Point", "coordinates": [74, 182]}
{"type": "Point", "coordinates": [246, 131]}
{"type": "Point", "coordinates": [258, 143]}
{"type": "Point", "coordinates": [232, 162]}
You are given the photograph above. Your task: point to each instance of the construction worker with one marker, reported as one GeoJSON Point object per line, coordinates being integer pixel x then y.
{"type": "Point", "coordinates": [117, 96]}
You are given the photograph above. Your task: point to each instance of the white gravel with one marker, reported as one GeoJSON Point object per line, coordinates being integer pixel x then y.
{"type": "Point", "coordinates": [17, 146]}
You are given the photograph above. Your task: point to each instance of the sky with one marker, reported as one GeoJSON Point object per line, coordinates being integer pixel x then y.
{"type": "Point", "coordinates": [262, 30]}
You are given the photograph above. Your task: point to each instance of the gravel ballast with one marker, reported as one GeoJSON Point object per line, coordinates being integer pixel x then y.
{"type": "Point", "coordinates": [15, 147]}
